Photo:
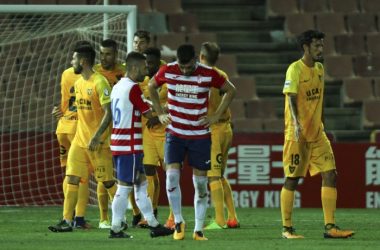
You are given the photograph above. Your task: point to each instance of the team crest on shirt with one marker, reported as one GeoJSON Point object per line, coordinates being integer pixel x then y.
{"type": "Point", "coordinates": [106, 93]}
{"type": "Point", "coordinates": [89, 91]}
{"type": "Point", "coordinates": [291, 169]}
{"type": "Point", "coordinates": [199, 79]}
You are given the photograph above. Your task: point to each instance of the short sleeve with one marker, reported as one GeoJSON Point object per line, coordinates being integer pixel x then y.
{"type": "Point", "coordinates": [159, 77]}
{"type": "Point", "coordinates": [218, 79]}
{"type": "Point", "coordinates": [103, 89]}
{"type": "Point", "coordinates": [291, 81]}
{"type": "Point", "coordinates": [136, 98]}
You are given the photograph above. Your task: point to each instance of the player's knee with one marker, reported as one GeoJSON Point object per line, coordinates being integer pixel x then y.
{"type": "Point", "coordinates": [150, 170]}
{"type": "Point", "coordinates": [330, 177]}
{"type": "Point", "coordinates": [291, 183]}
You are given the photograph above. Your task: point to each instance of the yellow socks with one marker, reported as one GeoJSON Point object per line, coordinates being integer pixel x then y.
{"type": "Point", "coordinates": [329, 197]}
{"type": "Point", "coordinates": [83, 195]}
{"type": "Point", "coordinates": [287, 201]}
{"type": "Point", "coordinates": [64, 186]}
{"type": "Point", "coordinates": [156, 191]}
{"type": "Point", "coordinates": [150, 188]}
{"type": "Point", "coordinates": [218, 198]}
{"type": "Point", "coordinates": [70, 201]}
{"type": "Point", "coordinates": [228, 199]}
{"type": "Point", "coordinates": [102, 201]}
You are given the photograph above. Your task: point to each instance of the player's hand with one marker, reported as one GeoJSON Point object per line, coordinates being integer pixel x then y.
{"type": "Point", "coordinates": [153, 122]}
{"type": "Point", "coordinates": [208, 120]}
{"type": "Point", "coordinates": [94, 143]}
{"type": "Point", "coordinates": [164, 119]}
{"type": "Point", "coordinates": [297, 129]}
{"type": "Point", "coordinates": [57, 112]}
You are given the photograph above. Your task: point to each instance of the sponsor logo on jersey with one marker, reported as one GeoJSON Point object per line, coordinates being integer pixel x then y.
{"type": "Point", "coordinates": [106, 93]}
{"type": "Point", "coordinates": [287, 84]}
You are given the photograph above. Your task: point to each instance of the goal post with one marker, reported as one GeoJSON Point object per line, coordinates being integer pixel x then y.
{"type": "Point", "coordinates": [36, 44]}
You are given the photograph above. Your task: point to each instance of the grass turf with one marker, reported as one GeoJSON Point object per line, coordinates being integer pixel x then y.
{"type": "Point", "coordinates": [26, 228]}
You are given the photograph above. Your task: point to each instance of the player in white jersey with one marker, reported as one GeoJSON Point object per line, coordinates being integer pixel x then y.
{"type": "Point", "coordinates": [127, 105]}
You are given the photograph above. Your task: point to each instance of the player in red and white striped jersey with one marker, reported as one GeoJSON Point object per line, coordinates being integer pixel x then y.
{"type": "Point", "coordinates": [127, 105]}
{"type": "Point", "coordinates": [188, 133]}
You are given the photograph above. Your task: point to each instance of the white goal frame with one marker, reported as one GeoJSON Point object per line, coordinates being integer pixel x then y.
{"type": "Point", "coordinates": [129, 10]}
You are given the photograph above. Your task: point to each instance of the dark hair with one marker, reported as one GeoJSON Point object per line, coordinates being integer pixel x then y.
{"type": "Point", "coordinates": [134, 58]}
{"type": "Point", "coordinates": [81, 43]}
{"type": "Point", "coordinates": [185, 53]}
{"type": "Point", "coordinates": [210, 51]}
{"type": "Point", "coordinates": [86, 52]}
{"type": "Point", "coordinates": [153, 51]}
{"type": "Point", "coordinates": [143, 34]}
{"type": "Point", "coordinates": [109, 43]}
{"type": "Point", "coordinates": [308, 36]}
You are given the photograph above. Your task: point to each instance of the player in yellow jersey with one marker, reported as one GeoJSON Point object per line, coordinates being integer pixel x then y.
{"type": "Point", "coordinates": [306, 146]}
{"type": "Point", "coordinates": [66, 112]}
{"type": "Point", "coordinates": [91, 145]}
{"type": "Point", "coordinates": [113, 71]}
{"type": "Point", "coordinates": [221, 138]}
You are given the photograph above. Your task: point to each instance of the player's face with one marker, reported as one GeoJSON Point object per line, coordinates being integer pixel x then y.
{"type": "Point", "coordinates": [76, 64]}
{"type": "Point", "coordinates": [140, 44]}
{"type": "Point", "coordinates": [187, 68]}
{"type": "Point", "coordinates": [153, 65]}
{"type": "Point", "coordinates": [142, 72]}
{"type": "Point", "coordinates": [107, 58]}
{"type": "Point", "coordinates": [316, 49]}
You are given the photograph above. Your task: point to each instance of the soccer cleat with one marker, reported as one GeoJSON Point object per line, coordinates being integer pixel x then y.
{"type": "Point", "coordinates": [170, 223]}
{"type": "Point", "coordinates": [179, 231]}
{"type": "Point", "coordinates": [136, 220]}
{"type": "Point", "coordinates": [335, 232]}
{"type": "Point", "coordinates": [233, 223]}
{"type": "Point", "coordinates": [61, 227]}
{"type": "Point", "coordinates": [199, 236]}
{"type": "Point", "coordinates": [160, 231]}
{"type": "Point", "coordinates": [120, 234]}
{"type": "Point", "coordinates": [84, 226]}
{"type": "Point", "coordinates": [105, 224]}
{"type": "Point", "coordinates": [143, 224]}
{"type": "Point", "coordinates": [290, 233]}
{"type": "Point", "coordinates": [214, 225]}
{"type": "Point", "coordinates": [124, 225]}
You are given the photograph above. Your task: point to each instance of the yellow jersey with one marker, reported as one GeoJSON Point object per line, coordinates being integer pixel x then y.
{"type": "Point", "coordinates": [91, 94]}
{"type": "Point", "coordinates": [308, 84]}
{"type": "Point", "coordinates": [67, 124]}
{"type": "Point", "coordinates": [113, 76]}
{"type": "Point", "coordinates": [215, 99]}
{"type": "Point", "coordinates": [158, 130]}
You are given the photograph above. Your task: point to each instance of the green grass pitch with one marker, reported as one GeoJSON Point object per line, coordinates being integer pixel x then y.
{"type": "Point", "coordinates": [26, 228]}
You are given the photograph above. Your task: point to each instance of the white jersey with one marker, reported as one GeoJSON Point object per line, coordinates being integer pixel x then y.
{"type": "Point", "coordinates": [127, 105]}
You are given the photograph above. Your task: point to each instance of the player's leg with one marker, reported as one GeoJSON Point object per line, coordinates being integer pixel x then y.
{"type": "Point", "coordinates": [216, 187]}
{"type": "Point", "coordinates": [323, 161]}
{"type": "Point", "coordinates": [77, 157]}
{"type": "Point", "coordinates": [175, 151]}
{"type": "Point", "coordinates": [296, 158]}
{"type": "Point", "coordinates": [120, 202]}
{"type": "Point", "coordinates": [199, 157]}
{"type": "Point", "coordinates": [103, 201]}
{"type": "Point", "coordinates": [83, 196]}
{"type": "Point", "coordinates": [64, 146]}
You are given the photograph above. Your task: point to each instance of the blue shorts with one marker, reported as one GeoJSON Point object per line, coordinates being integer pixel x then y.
{"type": "Point", "coordinates": [198, 151]}
{"type": "Point", "coordinates": [129, 167]}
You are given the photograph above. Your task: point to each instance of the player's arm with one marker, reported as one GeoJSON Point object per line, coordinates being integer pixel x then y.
{"type": "Point", "coordinates": [323, 118]}
{"type": "Point", "coordinates": [155, 98]}
{"type": "Point", "coordinates": [292, 98]}
{"type": "Point", "coordinates": [229, 91]}
{"type": "Point", "coordinates": [95, 140]}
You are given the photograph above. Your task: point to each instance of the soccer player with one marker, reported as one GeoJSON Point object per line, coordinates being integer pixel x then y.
{"type": "Point", "coordinates": [141, 41]}
{"type": "Point", "coordinates": [66, 112]}
{"type": "Point", "coordinates": [91, 144]}
{"type": "Point", "coordinates": [113, 71]}
{"type": "Point", "coordinates": [221, 138]}
{"type": "Point", "coordinates": [126, 146]}
{"type": "Point", "coordinates": [188, 132]}
{"type": "Point", "coordinates": [306, 145]}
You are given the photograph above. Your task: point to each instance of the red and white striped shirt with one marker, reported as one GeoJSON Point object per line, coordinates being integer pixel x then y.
{"type": "Point", "coordinates": [188, 98]}
{"type": "Point", "coordinates": [127, 105]}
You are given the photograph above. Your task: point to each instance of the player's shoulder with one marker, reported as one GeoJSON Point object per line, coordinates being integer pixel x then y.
{"type": "Point", "coordinates": [97, 67]}
{"type": "Point", "coordinates": [99, 77]}
{"type": "Point", "coordinates": [162, 63]}
{"type": "Point", "coordinates": [69, 71]}
{"type": "Point", "coordinates": [319, 65]}
{"type": "Point", "coordinates": [296, 66]}
{"type": "Point", "coordinates": [221, 72]}
{"type": "Point", "coordinates": [120, 66]}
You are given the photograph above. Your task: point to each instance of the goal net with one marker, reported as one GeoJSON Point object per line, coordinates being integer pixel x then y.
{"type": "Point", "coordinates": [34, 51]}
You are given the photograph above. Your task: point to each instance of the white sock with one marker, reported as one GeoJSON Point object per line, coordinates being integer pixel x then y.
{"type": "Point", "coordinates": [200, 201]}
{"type": "Point", "coordinates": [173, 191]}
{"type": "Point", "coordinates": [119, 206]}
{"type": "Point", "coordinates": [145, 204]}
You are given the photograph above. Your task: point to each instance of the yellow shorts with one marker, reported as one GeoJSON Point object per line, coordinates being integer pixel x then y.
{"type": "Point", "coordinates": [317, 156]}
{"type": "Point", "coordinates": [100, 162]}
{"type": "Point", "coordinates": [220, 145]}
{"type": "Point", "coordinates": [64, 141]}
{"type": "Point", "coordinates": [153, 150]}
